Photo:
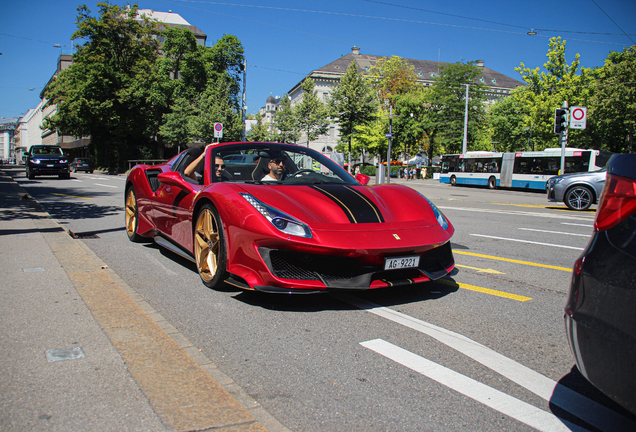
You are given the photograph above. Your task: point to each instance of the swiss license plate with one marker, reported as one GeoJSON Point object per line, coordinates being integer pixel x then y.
{"type": "Point", "coordinates": [401, 262]}
{"type": "Point", "coordinates": [50, 166]}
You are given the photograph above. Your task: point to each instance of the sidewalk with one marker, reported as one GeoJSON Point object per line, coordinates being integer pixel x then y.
{"type": "Point", "coordinates": [82, 351]}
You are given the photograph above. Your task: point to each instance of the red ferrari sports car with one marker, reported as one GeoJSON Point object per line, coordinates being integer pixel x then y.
{"type": "Point", "coordinates": [283, 218]}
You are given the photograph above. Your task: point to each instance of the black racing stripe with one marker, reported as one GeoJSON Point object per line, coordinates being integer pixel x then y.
{"type": "Point", "coordinates": [357, 207]}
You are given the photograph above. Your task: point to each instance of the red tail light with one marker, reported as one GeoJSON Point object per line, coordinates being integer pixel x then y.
{"type": "Point", "coordinates": [618, 202]}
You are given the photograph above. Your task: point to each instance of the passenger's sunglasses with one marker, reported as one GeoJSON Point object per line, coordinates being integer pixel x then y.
{"type": "Point", "coordinates": [217, 166]}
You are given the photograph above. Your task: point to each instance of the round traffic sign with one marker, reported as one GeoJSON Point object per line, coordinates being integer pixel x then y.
{"type": "Point", "coordinates": [578, 114]}
{"type": "Point", "coordinates": [218, 127]}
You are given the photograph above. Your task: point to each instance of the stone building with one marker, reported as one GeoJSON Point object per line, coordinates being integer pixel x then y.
{"type": "Point", "coordinates": [328, 76]}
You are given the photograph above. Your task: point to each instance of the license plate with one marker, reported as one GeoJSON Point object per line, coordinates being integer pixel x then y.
{"type": "Point", "coordinates": [401, 262]}
{"type": "Point", "coordinates": [50, 166]}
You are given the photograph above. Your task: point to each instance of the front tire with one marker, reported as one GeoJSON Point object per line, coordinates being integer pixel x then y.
{"type": "Point", "coordinates": [453, 181]}
{"type": "Point", "coordinates": [579, 198]}
{"type": "Point", "coordinates": [132, 215]}
{"type": "Point", "coordinates": [492, 183]}
{"type": "Point", "coordinates": [209, 247]}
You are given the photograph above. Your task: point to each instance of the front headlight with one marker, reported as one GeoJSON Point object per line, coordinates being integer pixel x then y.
{"type": "Point", "coordinates": [280, 220]}
{"type": "Point", "coordinates": [36, 161]}
{"type": "Point", "coordinates": [64, 161]}
{"type": "Point", "coordinates": [438, 214]}
{"type": "Point", "coordinates": [556, 181]}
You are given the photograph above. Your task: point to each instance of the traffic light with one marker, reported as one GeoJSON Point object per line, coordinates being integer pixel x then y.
{"type": "Point", "coordinates": [560, 120]}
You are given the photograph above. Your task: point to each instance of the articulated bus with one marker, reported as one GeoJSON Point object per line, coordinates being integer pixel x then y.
{"type": "Point", "coordinates": [524, 170]}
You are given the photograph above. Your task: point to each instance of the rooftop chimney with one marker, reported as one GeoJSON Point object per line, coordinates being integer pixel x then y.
{"type": "Point", "coordinates": [479, 63]}
{"type": "Point", "coordinates": [355, 50]}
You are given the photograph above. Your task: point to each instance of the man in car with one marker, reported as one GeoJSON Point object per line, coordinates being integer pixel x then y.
{"type": "Point", "coordinates": [276, 167]}
{"type": "Point", "coordinates": [195, 169]}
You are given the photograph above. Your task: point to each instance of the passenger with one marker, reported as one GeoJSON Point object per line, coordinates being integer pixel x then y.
{"type": "Point", "coordinates": [276, 167]}
{"type": "Point", "coordinates": [195, 169]}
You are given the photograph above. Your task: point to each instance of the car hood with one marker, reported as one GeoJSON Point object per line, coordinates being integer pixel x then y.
{"type": "Point", "coordinates": [587, 175]}
{"type": "Point", "coordinates": [330, 205]}
{"type": "Point", "coordinates": [49, 157]}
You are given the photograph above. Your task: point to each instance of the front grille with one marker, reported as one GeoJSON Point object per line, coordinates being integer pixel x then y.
{"type": "Point", "coordinates": [293, 265]}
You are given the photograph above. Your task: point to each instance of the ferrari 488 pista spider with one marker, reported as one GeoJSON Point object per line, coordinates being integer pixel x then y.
{"type": "Point", "coordinates": [283, 218]}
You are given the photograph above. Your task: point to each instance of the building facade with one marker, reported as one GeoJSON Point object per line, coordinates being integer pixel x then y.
{"type": "Point", "coordinates": [328, 76]}
{"type": "Point", "coordinates": [7, 132]}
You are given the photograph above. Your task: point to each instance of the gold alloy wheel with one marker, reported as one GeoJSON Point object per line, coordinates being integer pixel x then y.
{"type": "Point", "coordinates": [131, 213]}
{"type": "Point", "coordinates": [206, 245]}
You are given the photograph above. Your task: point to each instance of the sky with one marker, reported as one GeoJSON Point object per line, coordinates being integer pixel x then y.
{"type": "Point", "coordinates": [284, 40]}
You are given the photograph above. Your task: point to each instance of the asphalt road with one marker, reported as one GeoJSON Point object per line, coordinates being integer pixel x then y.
{"type": "Point", "coordinates": [485, 350]}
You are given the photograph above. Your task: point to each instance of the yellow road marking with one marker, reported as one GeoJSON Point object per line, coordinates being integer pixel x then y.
{"type": "Point", "coordinates": [486, 290]}
{"type": "Point", "coordinates": [72, 196]}
{"type": "Point", "coordinates": [513, 261]}
{"type": "Point", "coordinates": [546, 206]}
{"type": "Point", "coordinates": [480, 270]}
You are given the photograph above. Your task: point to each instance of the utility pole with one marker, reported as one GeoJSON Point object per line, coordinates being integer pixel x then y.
{"type": "Point", "coordinates": [388, 152]}
{"type": "Point", "coordinates": [465, 142]}
{"type": "Point", "coordinates": [244, 107]}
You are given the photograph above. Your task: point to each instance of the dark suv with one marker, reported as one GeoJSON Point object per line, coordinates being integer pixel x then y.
{"type": "Point", "coordinates": [82, 164]}
{"type": "Point", "coordinates": [46, 160]}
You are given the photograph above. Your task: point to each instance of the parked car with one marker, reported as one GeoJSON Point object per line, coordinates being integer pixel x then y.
{"type": "Point", "coordinates": [82, 164]}
{"type": "Point", "coordinates": [315, 229]}
{"type": "Point", "coordinates": [599, 315]}
{"type": "Point", "coordinates": [577, 190]}
{"type": "Point", "coordinates": [47, 160]}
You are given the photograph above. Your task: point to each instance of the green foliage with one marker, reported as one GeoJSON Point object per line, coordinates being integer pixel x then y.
{"type": "Point", "coordinates": [548, 90]}
{"type": "Point", "coordinates": [613, 106]}
{"type": "Point", "coordinates": [259, 132]}
{"type": "Point", "coordinates": [352, 103]}
{"type": "Point", "coordinates": [391, 77]}
{"type": "Point", "coordinates": [131, 100]}
{"type": "Point", "coordinates": [507, 128]}
{"type": "Point", "coordinates": [287, 128]}
{"type": "Point", "coordinates": [311, 114]}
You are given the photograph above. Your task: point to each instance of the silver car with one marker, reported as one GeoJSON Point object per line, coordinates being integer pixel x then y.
{"type": "Point", "coordinates": [577, 190]}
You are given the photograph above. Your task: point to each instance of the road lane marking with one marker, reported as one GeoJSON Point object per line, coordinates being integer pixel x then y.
{"type": "Point", "coordinates": [544, 387]}
{"type": "Point", "coordinates": [555, 232]}
{"type": "Point", "coordinates": [528, 241]}
{"type": "Point", "coordinates": [512, 260]}
{"type": "Point", "coordinates": [552, 206]}
{"type": "Point", "coordinates": [495, 399]}
{"type": "Point", "coordinates": [486, 290]}
{"type": "Point", "coordinates": [107, 186]}
{"type": "Point", "coordinates": [480, 270]}
{"type": "Point", "coordinates": [72, 196]}
{"type": "Point", "coordinates": [574, 224]}
{"type": "Point", "coordinates": [520, 213]}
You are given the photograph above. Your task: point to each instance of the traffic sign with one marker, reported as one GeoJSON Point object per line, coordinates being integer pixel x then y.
{"type": "Point", "coordinates": [578, 117]}
{"type": "Point", "coordinates": [389, 135]}
{"type": "Point", "coordinates": [218, 130]}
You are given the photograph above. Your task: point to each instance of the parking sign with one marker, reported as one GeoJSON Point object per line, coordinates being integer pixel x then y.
{"type": "Point", "coordinates": [578, 117]}
{"type": "Point", "coordinates": [218, 130]}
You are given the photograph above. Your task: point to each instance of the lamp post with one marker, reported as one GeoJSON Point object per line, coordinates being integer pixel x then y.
{"type": "Point", "coordinates": [465, 142]}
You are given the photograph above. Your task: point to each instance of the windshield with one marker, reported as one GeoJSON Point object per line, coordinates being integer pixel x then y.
{"type": "Point", "coordinates": [275, 164]}
{"type": "Point", "coordinates": [47, 151]}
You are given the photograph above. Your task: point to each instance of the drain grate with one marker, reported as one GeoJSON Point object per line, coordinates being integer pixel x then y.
{"type": "Point", "coordinates": [80, 236]}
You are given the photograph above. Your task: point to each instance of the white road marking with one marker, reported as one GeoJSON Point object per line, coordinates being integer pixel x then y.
{"type": "Point", "coordinates": [495, 399]}
{"type": "Point", "coordinates": [522, 213]}
{"type": "Point", "coordinates": [528, 241]}
{"type": "Point", "coordinates": [555, 232]}
{"type": "Point", "coordinates": [79, 181]}
{"type": "Point", "coordinates": [107, 186]}
{"type": "Point", "coordinates": [574, 224]}
{"type": "Point", "coordinates": [544, 387]}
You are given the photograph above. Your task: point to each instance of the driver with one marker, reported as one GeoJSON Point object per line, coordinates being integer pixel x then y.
{"type": "Point", "coordinates": [276, 168]}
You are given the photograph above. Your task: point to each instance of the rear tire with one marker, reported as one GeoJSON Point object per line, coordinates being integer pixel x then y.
{"type": "Point", "coordinates": [453, 181]}
{"type": "Point", "coordinates": [132, 215]}
{"type": "Point", "coordinates": [492, 183]}
{"type": "Point", "coordinates": [579, 198]}
{"type": "Point", "coordinates": [209, 247]}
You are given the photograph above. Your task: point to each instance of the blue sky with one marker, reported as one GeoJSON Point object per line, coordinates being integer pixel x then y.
{"type": "Point", "coordinates": [284, 40]}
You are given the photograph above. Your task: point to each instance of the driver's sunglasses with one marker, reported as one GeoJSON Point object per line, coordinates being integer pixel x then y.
{"type": "Point", "coordinates": [217, 166]}
{"type": "Point", "coordinates": [278, 161]}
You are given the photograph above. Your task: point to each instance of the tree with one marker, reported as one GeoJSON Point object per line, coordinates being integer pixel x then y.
{"type": "Point", "coordinates": [448, 99]}
{"type": "Point", "coordinates": [312, 115]}
{"type": "Point", "coordinates": [506, 122]}
{"type": "Point", "coordinates": [352, 103]}
{"type": "Point", "coordinates": [97, 95]}
{"type": "Point", "coordinates": [548, 90]}
{"type": "Point", "coordinates": [391, 77]}
{"type": "Point", "coordinates": [371, 137]}
{"type": "Point", "coordinates": [287, 129]}
{"type": "Point", "coordinates": [613, 107]}
{"type": "Point", "coordinates": [260, 132]}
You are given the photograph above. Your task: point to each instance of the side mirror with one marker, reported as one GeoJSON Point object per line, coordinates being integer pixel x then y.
{"type": "Point", "coordinates": [173, 178]}
{"type": "Point", "coordinates": [363, 179]}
